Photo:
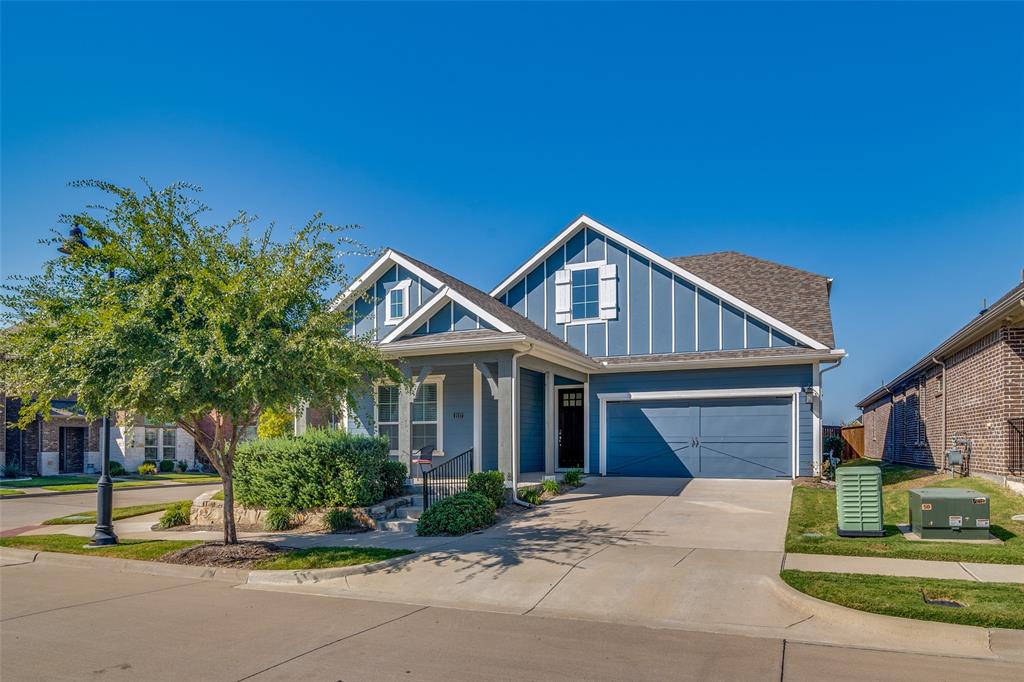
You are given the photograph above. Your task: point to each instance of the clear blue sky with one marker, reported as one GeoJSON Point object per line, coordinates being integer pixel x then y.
{"type": "Point", "coordinates": [880, 144]}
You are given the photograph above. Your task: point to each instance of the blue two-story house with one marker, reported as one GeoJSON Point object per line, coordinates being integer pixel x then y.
{"type": "Point", "coordinates": [600, 354]}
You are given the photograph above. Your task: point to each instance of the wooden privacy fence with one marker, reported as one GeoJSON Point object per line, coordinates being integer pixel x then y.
{"type": "Point", "coordinates": [853, 439]}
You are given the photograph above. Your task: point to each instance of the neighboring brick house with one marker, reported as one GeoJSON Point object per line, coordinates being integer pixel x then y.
{"type": "Point", "coordinates": [67, 442]}
{"type": "Point", "coordinates": [978, 395]}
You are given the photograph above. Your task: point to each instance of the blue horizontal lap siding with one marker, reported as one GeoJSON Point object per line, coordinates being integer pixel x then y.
{"type": "Point", "coordinates": [658, 311]}
{"type": "Point", "coordinates": [531, 421]}
{"type": "Point", "coordinates": [708, 379]}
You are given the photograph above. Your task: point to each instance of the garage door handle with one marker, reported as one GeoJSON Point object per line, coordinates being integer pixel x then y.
{"type": "Point", "coordinates": [695, 442]}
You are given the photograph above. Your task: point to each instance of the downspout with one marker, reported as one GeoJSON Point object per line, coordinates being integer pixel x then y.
{"type": "Point", "coordinates": [944, 391]}
{"type": "Point", "coordinates": [515, 430]}
{"type": "Point", "coordinates": [821, 395]}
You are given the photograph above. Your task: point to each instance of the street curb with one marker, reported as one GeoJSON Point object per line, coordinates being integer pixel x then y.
{"type": "Point", "coordinates": [25, 496]}
{"type": "Point", "coordinates": [997, 647]}
{"type": "Point", "coordinates": [316, 575]}
{"type": "Point", "coordinates": [232, 575]}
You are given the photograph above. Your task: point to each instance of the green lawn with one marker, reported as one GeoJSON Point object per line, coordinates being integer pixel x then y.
{"type": "Point", "coordinates": [219, 495]}
{"type": "Point", "coordinates": [118, 514]}
{"type": "Point", "coordinates": [92, 486]}
{"type": "Point", "coordinates": [994, 605]}
{"type": "Point", "coordinates": [40, 481]}
{"type": "Point", "coordinates": [146, 550]}
{"type": "Point", "coordinates": [330, 557]}
{"type": "Point", "coordinates": [186, 477]}
{"type": "Point", "coordinates": [814, 511]}
{"type": "Point", "coordinates": [8, 491]}
{"type": "Point", "coordinates": [153, 550]}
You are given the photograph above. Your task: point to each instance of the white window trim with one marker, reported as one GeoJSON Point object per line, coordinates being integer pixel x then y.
{"type": "Point", "coordinates": [590, 265]}
{"type": "Point", "coordinates": [376, 411]}
{"type": "Point", "coordinates": [430, 379]}
{"type": "Point", "coordinates": [404, 287]}
{"type": "Point", "coordinates": [437, 379]}
{"type": "Point", "coordinates": [160, 428]}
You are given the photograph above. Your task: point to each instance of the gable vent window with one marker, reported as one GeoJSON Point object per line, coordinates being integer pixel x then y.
{"type": "Point", "coordinates": [397, 304]}
{"type": "Point", "coordinates": [586, 292]}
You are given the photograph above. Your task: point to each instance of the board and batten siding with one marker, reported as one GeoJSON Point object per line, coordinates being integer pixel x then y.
{"type": "Point", "coordinates": [531, 420]}
{"type": "Point", "coordinates": [778, 376]}
{"type": "Point", "coordinates": [658, 311]}
{"type": "Point", "coordinates": [368, 311]}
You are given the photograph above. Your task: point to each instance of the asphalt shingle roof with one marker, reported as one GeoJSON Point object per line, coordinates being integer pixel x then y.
{"type": "Point", "coordinates": [495, 307]}
{"type": "Point", "coordinates": [796, 297]}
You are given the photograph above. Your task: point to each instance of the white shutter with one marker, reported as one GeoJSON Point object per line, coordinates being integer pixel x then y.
{"type": "Point", "coordinates": [608, 292]}
{"type": "Point", "coordinates": [563, 296]}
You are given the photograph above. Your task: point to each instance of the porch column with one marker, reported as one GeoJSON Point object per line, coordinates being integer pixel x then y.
{"type": "Point", "coordinates": [405, 427]}
{"type": "Point", "coordinates": [550, 423]}
{"type": "Point", "coordinates": [505, 417]}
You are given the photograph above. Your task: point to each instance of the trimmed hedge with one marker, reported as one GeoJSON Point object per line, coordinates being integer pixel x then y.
{"type": "Point", "coordinates": [116, 469]}
{"type": "Point", "coordinates": [320, 468]}
{"type": "Point", "coordinates": [166, 466]}
{"type": "Point", "coordinates": [490, 484]}
{"type": "Point", "coordinates": [394, 479]}
{"type": "Point", "coordinates": [457, 515]}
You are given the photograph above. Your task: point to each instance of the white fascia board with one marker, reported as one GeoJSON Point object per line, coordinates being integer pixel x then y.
{"type": "Point", "coordinates": [776, 392]}
{"type": "Point", "coordinates": [376, 269]}
{"type": "Point", "coordinates": [709, 363]}
{"type": "Point", "coordinates": [443, 295]}
{"type": "Point", "coordinates": [665, 263]}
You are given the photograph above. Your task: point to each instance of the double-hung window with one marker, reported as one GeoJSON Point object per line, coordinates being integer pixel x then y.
{"type": "Point", "coordinates": [160, 441]}
{"type": "Point", "coordinates": [586, 299]}
{"type": "Point", "coordinates": [387, 414]}
{"type": "Point", "coordinates": [425, 416]}
{"type": "Point", "coordinates": [396, 305]}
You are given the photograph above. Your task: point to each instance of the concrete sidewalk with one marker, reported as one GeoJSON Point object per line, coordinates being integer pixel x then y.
{"type": "Point", "coordinates": [915, 568]}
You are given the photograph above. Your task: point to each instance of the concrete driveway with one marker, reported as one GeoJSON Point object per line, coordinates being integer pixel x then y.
{"type": "Point", "coordinates": [693, 554]}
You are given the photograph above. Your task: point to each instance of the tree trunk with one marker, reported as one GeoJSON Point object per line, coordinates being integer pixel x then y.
{"type": "Point", "coordinates": [230, 535]}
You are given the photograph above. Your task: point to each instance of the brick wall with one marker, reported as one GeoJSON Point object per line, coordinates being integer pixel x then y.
{"type": "Point", "coordinates": [984, 388]}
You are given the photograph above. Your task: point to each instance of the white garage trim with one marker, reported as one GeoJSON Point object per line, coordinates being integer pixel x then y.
{"type": "Point", "coordinates": [791, 392]}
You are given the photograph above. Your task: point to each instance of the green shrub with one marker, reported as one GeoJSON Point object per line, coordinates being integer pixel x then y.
{"type": "Point", "coordinates": [12, 471]}
{"type": "Point", "coordinates": [166, 466]}
{"type": "Point", "coordinates": [340, 519]}
{"type": "Point", "coordinates": [531, 495]}
{"type": "Point", "coordinates": [147, 469]}
{"type": "Point", "coordinates": [551, 486]}
{"type": "Point", "coordinates": [181, 466]}
{"type": "Point", "coordinates": [274, 423]}
{"type": "Point", "coordinates": [177, 514]}
{"type": "Point", "coordinates": [457, 515]}
{"type": "Point", "coordinates": [278, 519]}
{"type": "Point", "coordinates": [394, 474]}
{"type": "Point", "coordinates": [490, 484]}
{"type": "Point", "coordinates": [319, 469]}
{"type": "Point", "coordinates": [835, 445]}
{"type": "Point", "coordinates": [573, 478]}
{"type": "Point", "coordinates": [116, 469]}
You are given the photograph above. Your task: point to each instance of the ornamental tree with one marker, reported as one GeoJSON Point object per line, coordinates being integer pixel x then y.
{"type": "Point", "coordinates": [158, 313]}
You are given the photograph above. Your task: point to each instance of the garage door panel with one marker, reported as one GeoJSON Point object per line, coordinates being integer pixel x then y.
{"type": "Point", "coordinates": [647, 439]}
{"type": "Point", "coordinates": [738, 438]}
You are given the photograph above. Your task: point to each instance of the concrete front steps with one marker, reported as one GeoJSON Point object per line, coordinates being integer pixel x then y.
{"type": "Point", "coordinates": [404, 520]}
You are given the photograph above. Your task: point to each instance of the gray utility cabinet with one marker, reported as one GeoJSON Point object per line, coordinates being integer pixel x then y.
{"type": "Point", "coordinates": [949, 514]}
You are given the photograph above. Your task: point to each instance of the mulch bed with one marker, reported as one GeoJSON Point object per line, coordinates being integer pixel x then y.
{"type": "Point", "coordinates": [242, 555]}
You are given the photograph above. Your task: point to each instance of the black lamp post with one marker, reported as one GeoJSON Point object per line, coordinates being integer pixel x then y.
{"type": "Point", "coordinates": [104, 534]}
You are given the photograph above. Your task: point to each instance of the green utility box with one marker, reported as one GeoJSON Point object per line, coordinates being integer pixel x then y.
{"type": "Point", "coordinates": [859, 501]}
{"type": "Point", "coordinates": [949, 514]}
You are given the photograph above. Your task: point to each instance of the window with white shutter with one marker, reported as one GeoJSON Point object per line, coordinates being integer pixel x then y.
{"type": "Point", "coordinates": [609, 292]}
{"type": "Point", "coordinates": [563, 286]}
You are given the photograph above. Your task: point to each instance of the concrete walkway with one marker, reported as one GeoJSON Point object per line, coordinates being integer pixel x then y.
{"type": "Point", "coordinates": [917, 568]}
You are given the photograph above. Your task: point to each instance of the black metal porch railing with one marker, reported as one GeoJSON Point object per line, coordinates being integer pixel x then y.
{"type": "Point", "coordinates": [447, 479]}
{"type": "Point", "coordinates": [1015, 445]}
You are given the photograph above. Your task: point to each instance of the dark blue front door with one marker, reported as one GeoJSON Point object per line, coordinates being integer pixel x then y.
{"type": "Point", "coordinates": [729, 438]}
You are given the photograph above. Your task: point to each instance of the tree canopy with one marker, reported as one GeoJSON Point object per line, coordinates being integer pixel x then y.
{"type": "Point", "coordinates": [160, 314]}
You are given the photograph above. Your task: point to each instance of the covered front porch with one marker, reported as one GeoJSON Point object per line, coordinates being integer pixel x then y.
{"type": "Point", "coordinates": [501, 410]}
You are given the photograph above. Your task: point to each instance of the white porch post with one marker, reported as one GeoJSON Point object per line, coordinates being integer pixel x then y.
{"type": "Point", "coordinates": [477, 420]}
